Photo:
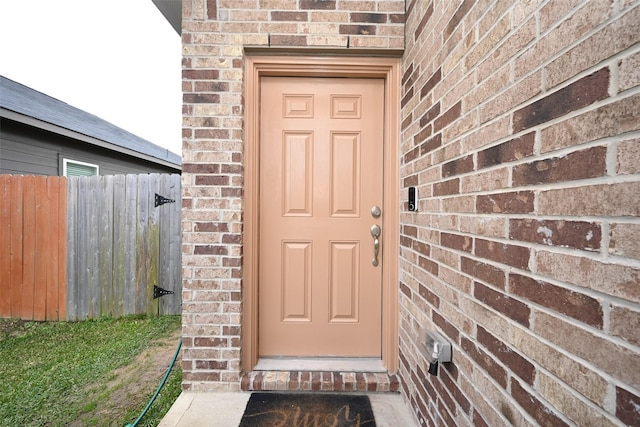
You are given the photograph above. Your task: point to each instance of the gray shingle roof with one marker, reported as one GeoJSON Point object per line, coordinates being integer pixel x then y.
{"type": "Point", "coordinates": [31, 103]}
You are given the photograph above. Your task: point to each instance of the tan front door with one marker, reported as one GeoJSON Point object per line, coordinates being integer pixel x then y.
{"type": "Point", "coordinates": [321, 163]}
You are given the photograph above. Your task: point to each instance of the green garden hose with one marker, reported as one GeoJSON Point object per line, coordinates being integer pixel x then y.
{"type": "Point", "coordinates": [164, 380]}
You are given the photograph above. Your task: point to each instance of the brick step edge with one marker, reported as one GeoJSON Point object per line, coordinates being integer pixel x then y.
{"type": "Point", "coordinates": [319, 381]}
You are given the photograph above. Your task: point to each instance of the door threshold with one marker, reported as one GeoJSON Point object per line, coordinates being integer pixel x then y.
{"type": "Point", "coordinates": [354, 364]}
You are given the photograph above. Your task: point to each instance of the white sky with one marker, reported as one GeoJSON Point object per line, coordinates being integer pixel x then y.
{"type": "Point", "coordinates": [117, 59]}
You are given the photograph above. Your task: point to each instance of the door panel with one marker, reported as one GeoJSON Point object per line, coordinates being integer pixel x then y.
{"type": "Point", "coordinates": [321, 163]}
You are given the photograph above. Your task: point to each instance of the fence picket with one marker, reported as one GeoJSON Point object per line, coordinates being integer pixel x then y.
{"type": "Point", "coordinates": [51, 264]}
{"type": "Point", "coordinates": [84, 247]}
{"type": "Point", "coordinates": [106, 246]}
{"type": "Point", "coordinates": [16, 219]}
{"type": "Point", "coordinates": [61, 231]}
{"type": "Point", "coordinates": [119, 253]}
{"type": "Point", "coordinates": [5, 246]}
{"type": "Point", "coordinates": [153, 243]}
{"type": "Point", "coordinates": [28, 248]}
{"type": "Point", "coordinates": [131, 219]}
{"type": "Point", "coordinates": [72, 250]}
{"type": "Point", "coordinates": [174, 246]}
{"type": "Point", "coordinates": [42, 242]}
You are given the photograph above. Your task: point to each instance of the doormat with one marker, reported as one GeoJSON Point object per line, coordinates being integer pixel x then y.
{"type": "Point", "coordinates": [309, 410]}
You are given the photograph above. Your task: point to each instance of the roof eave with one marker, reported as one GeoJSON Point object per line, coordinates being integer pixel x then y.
{"type": "Point", "coordinates": [172, 11]}
{"type": "Point", "coordinates": [39, 124]}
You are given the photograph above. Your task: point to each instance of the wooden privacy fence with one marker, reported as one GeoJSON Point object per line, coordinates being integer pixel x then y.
{"type": "Point", "coordinates": [84, 247]}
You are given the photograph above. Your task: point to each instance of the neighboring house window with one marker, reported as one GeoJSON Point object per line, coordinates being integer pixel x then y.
{"type": "Point", "coordinates": [76, 168]}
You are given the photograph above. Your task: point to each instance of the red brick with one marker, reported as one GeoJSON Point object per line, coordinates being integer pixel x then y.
{"type": "Point", "coordinates": [447, 188]}
{"type": "Point", "coordinates": [456, 241]}
{"type": "Point", "coordinates": [589, 163]}
{"type": "Point", "coordinates": [211, 133]}
{"type": "Point", "coordinates": [212, 180]}
{"type": "Point", "coordinates": [421, 247]}
{"type": "Point", "coordinates": [289, 16]}
{"type": "Point", "coordinates": [210, 342]}
{"type": "Point", "coordinates": [200, 74]}
{"type": "Point", "coordinates": [458, 166]}
{"type": "Point", "coordinates": [423, 21]}
{"type": "Point", "coordinates": [201, 98]}
{"type": "Point", "coordinates": [365, 30]}
{"type": "Point", "coordinates": [212, 10]}
{"type": "Point", "coordinates": [514, 149]}
{"type": "Point", "coordinates": [371, 18]}
{"type": "Point", "coordinates": [316, 381]}
{"type": "Point", "coordinates": [210, 250]}
{"type": "Point", "coordinates": [231, 192]}
{"type": "Point", "coordinates": [486, 272]}
{"type": "Point", "coordinates": [406, 241]}
{"type": "Point", "coordinates": [542, 414]}
{"type": "Point", "coordinates": [430, 115]}
{"type": "Point", "coordinates": [514, 361]}
{"type": "Point", "coordinates": [430, 84]}
{"type": "Point", "coordinates": [457, 17]}
{"type": "Point", "coordinates": [201, 376]}
{"type": "Point", "coordinates": [405, 290]}
{"type": "Point", "coordinates": [449, 405]}
{"type": "Point", "coordinates": [200, 168]}
{"type": "Point", "coordinates": [409, 77]}
{"type": "Point", "coordinates": [485, 361]}
{"type": "Point", "coordinates": [406, 122]}
{"type": "Point", "coordinates": [431, 144]}
{"type": "Point", "coordinates": [627, 404]}
{"type": "Point", "coordinates": [572, 234]}
{"type": "Point", "coordinates": [318, 4]}
{"type": "Point", "coordinates": [407, 97]}
{"type": "Point", "coordinates": [520, 202]}
{"type": "Point", "coordinates": [428, 265]}
{"type": "Point", "coordinates": [581, 93]}
{"type": "Point", "coordinates": [410, 230]}
{"type": "Point", "coordinates": [294, 380]}
{"type": "Point", "coordinates": [447, 327]}
{"type": "Point", "coordinates": [429, 296]}
{"type": "Point", "coordinates": [212, 364]}
{"type": "Point", "coordinates": [515, 256]}
{"type": "Point", "coordinates": [448, 117]}
{"type": "Point", "coordinates": [231, 169]}
{"type": "Point", "coordinates": [455, 391]}
{"type": "Point", "coordinates": [503, 303]}
{"type": "Point", "coordinates": [574, 304]}
{"type": "Point", "coordinates": [422, 135]}
{"type": "Point", "coordinates": [477, 419]}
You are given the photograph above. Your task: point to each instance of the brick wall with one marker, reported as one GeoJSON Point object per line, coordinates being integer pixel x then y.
{"type": "Point", "coordinates": [521, 131]}
{"type": "Point", "coordinates": [215, 34]}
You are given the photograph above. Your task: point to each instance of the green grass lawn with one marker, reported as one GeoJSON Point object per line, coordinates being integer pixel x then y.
{"type": "Point", "coordinates": [70, 373]}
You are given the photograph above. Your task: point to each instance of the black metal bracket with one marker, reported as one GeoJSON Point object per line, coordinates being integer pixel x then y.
{"type": "Point", "coordinates": [162, 200]}
{"type": "Point", "coordinates": [159, 292]}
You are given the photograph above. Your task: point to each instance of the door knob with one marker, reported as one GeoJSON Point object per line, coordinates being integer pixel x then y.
{"type": "Point", "coordinates": [375, 233]}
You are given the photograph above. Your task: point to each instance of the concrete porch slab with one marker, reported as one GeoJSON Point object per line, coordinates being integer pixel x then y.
{"type": "Point", "coordinates": [225, 409]}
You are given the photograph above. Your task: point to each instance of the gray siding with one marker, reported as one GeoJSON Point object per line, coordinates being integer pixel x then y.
{"type": "Point", "coordinates": [25, 150]}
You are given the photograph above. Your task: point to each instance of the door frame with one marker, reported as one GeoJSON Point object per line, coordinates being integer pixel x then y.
{"type": "Point", "coordinates": [388, 69]}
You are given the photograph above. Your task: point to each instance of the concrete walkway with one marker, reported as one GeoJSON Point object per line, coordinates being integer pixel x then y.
{"type": "Point", "coordinates": [211, 409]}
